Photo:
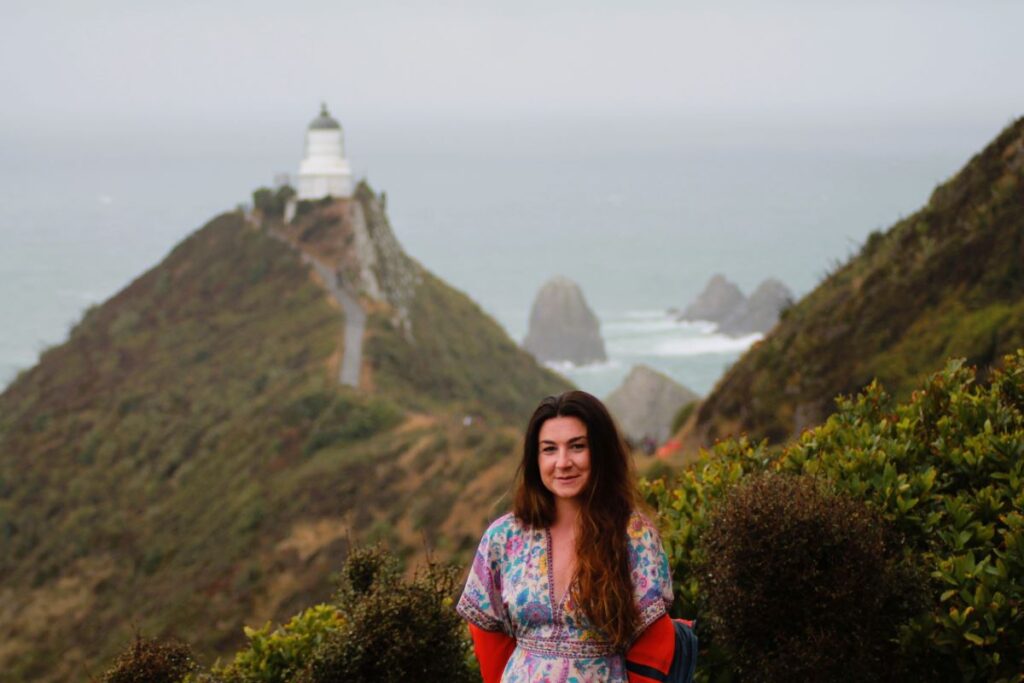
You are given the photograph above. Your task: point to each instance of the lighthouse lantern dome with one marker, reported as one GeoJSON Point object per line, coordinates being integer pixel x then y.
{"type": "Point", "coordinates": [324, 172]}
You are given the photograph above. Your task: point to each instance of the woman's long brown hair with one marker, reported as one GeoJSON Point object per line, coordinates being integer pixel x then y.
{"type": "Point", "coordinates": [603, 587]}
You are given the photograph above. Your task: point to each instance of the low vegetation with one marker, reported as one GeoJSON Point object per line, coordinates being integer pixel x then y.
{"type": "Point", "coordinates": [942, 474]}
{"type": "Point", "coordinates": [825, 568]}
{"type": "Point", "coordinates": [271, 203]}
{"type": "Point", "coordinates": [152, 661]}
{"type": "Point", "coordinates": [379, 628]}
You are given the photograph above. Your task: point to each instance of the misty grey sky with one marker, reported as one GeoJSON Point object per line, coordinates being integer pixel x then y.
{"type": "Point", "coordinates": [142, 62]}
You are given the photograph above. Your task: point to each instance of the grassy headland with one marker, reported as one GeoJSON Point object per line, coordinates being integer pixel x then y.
{"type": "Point", "coordinates": [186, 462]}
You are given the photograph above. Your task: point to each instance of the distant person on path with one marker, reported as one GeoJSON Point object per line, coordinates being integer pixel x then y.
{"type": "Point", "coordinates": [573, 585]}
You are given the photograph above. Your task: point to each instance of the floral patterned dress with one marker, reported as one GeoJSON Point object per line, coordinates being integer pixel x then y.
{"type": "Point", "coordinates": [511, 589]}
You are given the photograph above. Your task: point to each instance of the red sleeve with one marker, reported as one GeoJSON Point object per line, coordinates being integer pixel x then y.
{"type": "Point", "coordinates": [493, 649]}
{"type": "Point", "coordinates": [650, 656]}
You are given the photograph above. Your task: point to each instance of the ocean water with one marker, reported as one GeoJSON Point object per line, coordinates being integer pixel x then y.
{"type": "Point", "coordinates": [640, 214]}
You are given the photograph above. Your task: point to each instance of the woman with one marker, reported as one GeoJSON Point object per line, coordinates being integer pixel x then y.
{"type": "Point", "coordinates": [563, 586]}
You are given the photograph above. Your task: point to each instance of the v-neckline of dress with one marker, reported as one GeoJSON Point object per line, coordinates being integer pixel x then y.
{"type": "Point", "coordinates": [556, 605]}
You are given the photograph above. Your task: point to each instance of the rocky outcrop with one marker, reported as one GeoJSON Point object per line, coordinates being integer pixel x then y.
{"type": "Point", "coordinates": [646, 403]}
{"type": "Point", "coordinates": [723, 303]}
{"type": "Point", "coordinates": [354, 238]}
{"type": "Point", "coordinates": [760, 312]}
{"type": "Point", "coordinates": [385, 271]}
{"type": "Point", "coordinates": [717, 302]}
{"type": "Point", "coordinates": [562, 326]}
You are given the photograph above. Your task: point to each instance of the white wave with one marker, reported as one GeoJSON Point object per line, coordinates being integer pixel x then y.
{"type": "Point", "coordinates": [699, 346]}
{"type": "Point", "coordinates": [646, 314]}
{"type": "Point", "coordinates": [661, 323]}
{"type": "Point", "coordinates": [566, 366]}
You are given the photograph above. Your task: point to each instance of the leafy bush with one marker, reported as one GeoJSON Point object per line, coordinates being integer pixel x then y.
{"type": "Point", "coordinates": [152, 661]}
{"type": "Point", "coordinates": [944, 470]}
{"type": "Point", "coordinates": [803, 584]}
{"type": "Point", "coordinates": [277, 656]}
{"type": "Point", "coordinates": [271, 203]}
{"type": "Point", "coordinates": [683, 506]}
{"type": "Point", "coordinates": [395, 630]}
{"type": "Point", "coordinates": [379, 627]}
{"type": "Point", "coordinates": [351, 419]}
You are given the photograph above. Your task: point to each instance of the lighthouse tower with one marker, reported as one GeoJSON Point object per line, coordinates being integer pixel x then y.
{"type": "Point", "coordinates": [325, 170]}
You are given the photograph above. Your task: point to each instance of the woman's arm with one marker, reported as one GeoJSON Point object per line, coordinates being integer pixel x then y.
{"type": "Point", "coordinates": [650, 656]}
{"type": "Point", "coordinates": [482, 604]}
{"type": "Point", "coordinates": [493, 649]}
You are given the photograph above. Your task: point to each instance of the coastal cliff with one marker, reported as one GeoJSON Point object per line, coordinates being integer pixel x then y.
{"type": "Point", "coordinates": [945, 281]}
{"type": "Point", "coordinates": [188, 461]}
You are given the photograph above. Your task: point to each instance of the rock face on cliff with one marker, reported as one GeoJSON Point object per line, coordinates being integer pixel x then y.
{"type": "Point", "coordinates": [719, 299]}
{"type": "Point", "coordinates": [947, 281]}
{"type": "Point", "coordinates": [646, 403]}
{"type": "Point", "coordinates": [562, 326]}
{"type": "Point", "coordinates": [760, 312]}
{"type": "Point", "coordinates": [354, 238]}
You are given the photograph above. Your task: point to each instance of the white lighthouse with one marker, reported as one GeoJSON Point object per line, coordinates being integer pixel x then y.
{"type": "Point", "coordinates": [325, 170]}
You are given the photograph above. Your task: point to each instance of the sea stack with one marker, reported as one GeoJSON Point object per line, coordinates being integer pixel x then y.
{"type": "Point", "coordinates": [721, 302]}
{"type": "Point", "coordinates": [562, 326]}
{"type": "Point", "coordinates": [716, 303]}
{"type": "Point", "coordinates": [761, 311]}
{"type": "Point", "coordinates": [646, 403]}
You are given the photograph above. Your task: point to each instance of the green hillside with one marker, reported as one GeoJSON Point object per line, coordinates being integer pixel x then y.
{"type": "Point", "coordinates": [947, 281]}
{"type": "Point", "coordinates": [187, 462]}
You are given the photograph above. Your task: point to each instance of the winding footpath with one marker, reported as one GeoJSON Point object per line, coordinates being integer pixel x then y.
{"type": "Point", "coordinates": [355, 317]}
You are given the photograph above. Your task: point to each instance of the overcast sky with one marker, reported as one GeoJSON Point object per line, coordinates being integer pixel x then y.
{"type": "Point", "coordinates": [187, 60]}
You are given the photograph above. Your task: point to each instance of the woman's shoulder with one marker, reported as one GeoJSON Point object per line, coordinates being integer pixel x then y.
{"type": "Point", "coordinates": [503, 528]}
{"type": "Point", "coordinates": [503, 536]}
{"type": "Point", "coordinates": [640, 526]}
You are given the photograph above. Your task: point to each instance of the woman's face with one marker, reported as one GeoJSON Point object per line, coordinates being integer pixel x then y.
{"type": "Point", "coordinates": [564, 456]}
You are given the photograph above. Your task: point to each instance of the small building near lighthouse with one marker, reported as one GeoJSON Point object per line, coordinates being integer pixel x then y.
{"type": "Point", "coordinates": [324, 172]}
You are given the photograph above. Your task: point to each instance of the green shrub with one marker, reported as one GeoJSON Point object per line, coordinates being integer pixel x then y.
{"type": "Point", "coordinates": [152, 661]}
{"type": "Point", "coordinates": [277, 656]}
{"type": "Point", "coordinates": [307, 408]}
{"type": "Point", "coordinates": [366, 570]}
{"type": "Point", "coordinates": [945, 471]}
{"type": "Point", "coordinates": [683, 506]}
{"type": "Point", "coordinates": [395, 630]}
{"type": "Point", "coordinates": [271, 203]}
{"type": "Point", "coordinates": [351, 419]}
{"type": "Point", "coordinates": [803, 584]}
{"type": "Point", "coordinates": [379, 627]}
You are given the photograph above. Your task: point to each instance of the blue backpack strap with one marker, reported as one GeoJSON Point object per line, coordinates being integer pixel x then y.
{"type": "Point", "coordinates": [648, 672]}
{"type": "Point", "coordinates": [684, 662]}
